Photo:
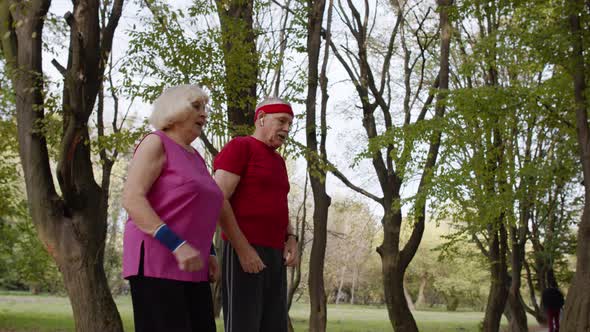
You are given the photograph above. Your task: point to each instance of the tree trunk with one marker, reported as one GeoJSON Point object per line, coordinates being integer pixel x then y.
{"type": "Point", "coordinates": [499, 289]}
{"type": "Point", "coordinates": [420, 299]}
{"type": "Point", "coordinates": [317, 292]}
{"type": "Point", "coordinates": [85, 281]}
{"type": "Point", "coordinates": [399, 313]}
{"type": "Point", "coordinates": [577, 306]}
{"type": "Point", "coordinates": [536, 310]}
{"type": "Point", "coordinates": [518, 321]}
{"type": "Point", "coordinates": [341, 284]}
{"type": "Point", "coordinates": [394, 269]}
{"type": "Point", "coordinates": [315, 161]}
{"type": "Point", "coordinates": [452, 302]}
{"type": "Point", "coordinates": [496, 233]}
{"type": "Point", "coordinates": [354, 278]}
{"type": "Point", "coordinates": [409, 299]}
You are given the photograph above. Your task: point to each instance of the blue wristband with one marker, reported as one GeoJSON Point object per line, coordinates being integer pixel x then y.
{"type": "Point", "coordinates": [167, 237]}
{"type": "Point", "coordinates": [212, 251]}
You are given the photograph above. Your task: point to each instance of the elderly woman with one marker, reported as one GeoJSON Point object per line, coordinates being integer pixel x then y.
{"type": "Point", "coordinates": [173, 205]}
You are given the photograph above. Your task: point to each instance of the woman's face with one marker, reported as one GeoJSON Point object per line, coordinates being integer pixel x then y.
{"type": "Point", "coordinates": [192, 127]}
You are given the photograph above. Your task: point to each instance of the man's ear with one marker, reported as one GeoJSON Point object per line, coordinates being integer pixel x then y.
{"type": "Point", "coordinates": [261, 118]}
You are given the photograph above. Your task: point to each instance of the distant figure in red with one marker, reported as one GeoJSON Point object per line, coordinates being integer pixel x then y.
{"type": "Point", "coordinates": [552, 302]}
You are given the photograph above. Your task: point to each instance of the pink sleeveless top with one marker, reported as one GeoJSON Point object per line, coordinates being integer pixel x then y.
{"type": "Point", "coordinates": [188, 200]}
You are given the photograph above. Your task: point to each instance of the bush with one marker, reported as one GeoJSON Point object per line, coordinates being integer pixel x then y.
{"type": "Point", "coordinates": [24, 262]}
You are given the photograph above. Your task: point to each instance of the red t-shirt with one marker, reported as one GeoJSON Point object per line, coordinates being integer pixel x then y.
{"type": "Point", "coordinates": [259, 201]}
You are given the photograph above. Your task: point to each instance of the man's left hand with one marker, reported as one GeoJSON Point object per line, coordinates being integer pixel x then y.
{"type": "Point", "coordinates": [291, 252]}
{"type": "Point", "coordinates": [214, 272]}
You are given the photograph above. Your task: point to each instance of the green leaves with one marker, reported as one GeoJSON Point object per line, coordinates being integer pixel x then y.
{"type": "Point", "coordinates": [121, 141]}
{"type": "Point", "coordinates": [24, 261]}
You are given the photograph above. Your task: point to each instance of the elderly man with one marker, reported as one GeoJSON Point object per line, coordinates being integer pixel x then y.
{"type": "Point", "coordinates": [255, 220]}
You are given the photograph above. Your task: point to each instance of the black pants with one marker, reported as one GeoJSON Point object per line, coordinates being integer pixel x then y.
{"type": "Point", "coordinates": [163, 305]}
{"type": "Point", "coordinates": [254, 302]}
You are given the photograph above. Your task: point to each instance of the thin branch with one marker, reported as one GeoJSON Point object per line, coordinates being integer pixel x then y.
{"type": "Point", "coordinates": [212, 150]}
{"type": "Point", "coordinates": [288, 9]}
{"type": "Point", "coordinates": [429, 100]}
{"type": "Point", "coordinates": [343, 17]}
{"type": "Point", "coordinates": [114, 96]}
{"type": "Point", "coordinates": [351, 73]}
{"type": "Point", "coordinates": [109, 31]}
{"type": "Point", "coordinates": [283, 46]}
{"type": "Point", "coordinates": [69, 17]}
{"type": "Point", "coordinates": [350, 185]}
{"type": "Point", "coordinates": [62, 70]}
{"type": "Point", "coordinates": [529, 279]}
{"type": "Point", "coordinates": [389, 54]}
{"type": "Point", "coordinates": [324, 84]}
{"type": "Point", "coordinates": [357, 20]}
{"type": "Point", "coordinates": [480, 245]}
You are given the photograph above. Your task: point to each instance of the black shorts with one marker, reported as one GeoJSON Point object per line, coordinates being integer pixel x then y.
{"type": "Point", "coordinates": [164, 305]}
{"type": "Point", "coordinates": [254, 302]}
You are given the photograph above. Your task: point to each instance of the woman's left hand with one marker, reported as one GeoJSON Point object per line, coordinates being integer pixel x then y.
{"type": "Point", "coordinates": [214, 271]}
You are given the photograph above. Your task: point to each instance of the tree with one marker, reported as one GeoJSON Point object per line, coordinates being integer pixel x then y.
{"type": "Point", "coordinates": [577, 305]}
{"type": "Point", "coordinates": [351, 234]}
{"type": "Point", "coordinates": [316, 160]}
{"type": "Point", "coordinates": [461, 276]}
{"type": "Point", "coordinates": [72, 226]}
{"type": "Point", "coordinates": [522, 165]}
{"type": "Point", "coordinates": [394, 148]}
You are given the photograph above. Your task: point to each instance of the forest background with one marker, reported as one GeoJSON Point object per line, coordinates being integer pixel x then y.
{"type": "Point", "coordinates": [440, 156]}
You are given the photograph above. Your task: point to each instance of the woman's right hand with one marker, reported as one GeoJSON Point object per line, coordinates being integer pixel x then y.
{"type": "Point", "coordinates": [188, 258]}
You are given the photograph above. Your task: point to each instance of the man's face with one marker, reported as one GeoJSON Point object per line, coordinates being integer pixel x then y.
{"type": "Point", "coordinates": [275, 128]}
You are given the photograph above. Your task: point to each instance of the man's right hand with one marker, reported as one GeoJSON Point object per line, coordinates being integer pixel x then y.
{"type": "Point", "coordinates": [250, 260]}
{"type": "Point", "coordinates": [188, 258]}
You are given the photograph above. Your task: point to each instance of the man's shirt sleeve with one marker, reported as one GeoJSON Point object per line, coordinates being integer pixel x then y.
{"type": "Point", "coordinates": [233, 157]}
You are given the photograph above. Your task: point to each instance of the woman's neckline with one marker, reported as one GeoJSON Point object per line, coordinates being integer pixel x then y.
{"type": "Point", "coordinates": [187, 148]}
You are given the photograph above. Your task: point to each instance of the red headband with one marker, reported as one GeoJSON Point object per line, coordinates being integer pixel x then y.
{"type": "Point", "coordinates": [273, 108]}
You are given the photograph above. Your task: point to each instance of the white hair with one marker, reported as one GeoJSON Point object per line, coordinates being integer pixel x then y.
{"type": "Point", "coordinates": [270, 100]}
{"type": "Point", "coordinates": [175, 104]}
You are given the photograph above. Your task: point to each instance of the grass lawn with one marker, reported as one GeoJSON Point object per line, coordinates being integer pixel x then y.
{"type": "Point", "coordinates": [28, 313]}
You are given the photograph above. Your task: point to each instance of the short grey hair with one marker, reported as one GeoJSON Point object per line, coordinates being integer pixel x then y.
{"type": "Point", "coordinates": [175, 104]}
{"type": "Point", "coordinates": [270, 100]}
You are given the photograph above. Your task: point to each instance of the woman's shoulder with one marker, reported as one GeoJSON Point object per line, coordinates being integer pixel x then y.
{"type": "Point", "coordinates": [152, 143]}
